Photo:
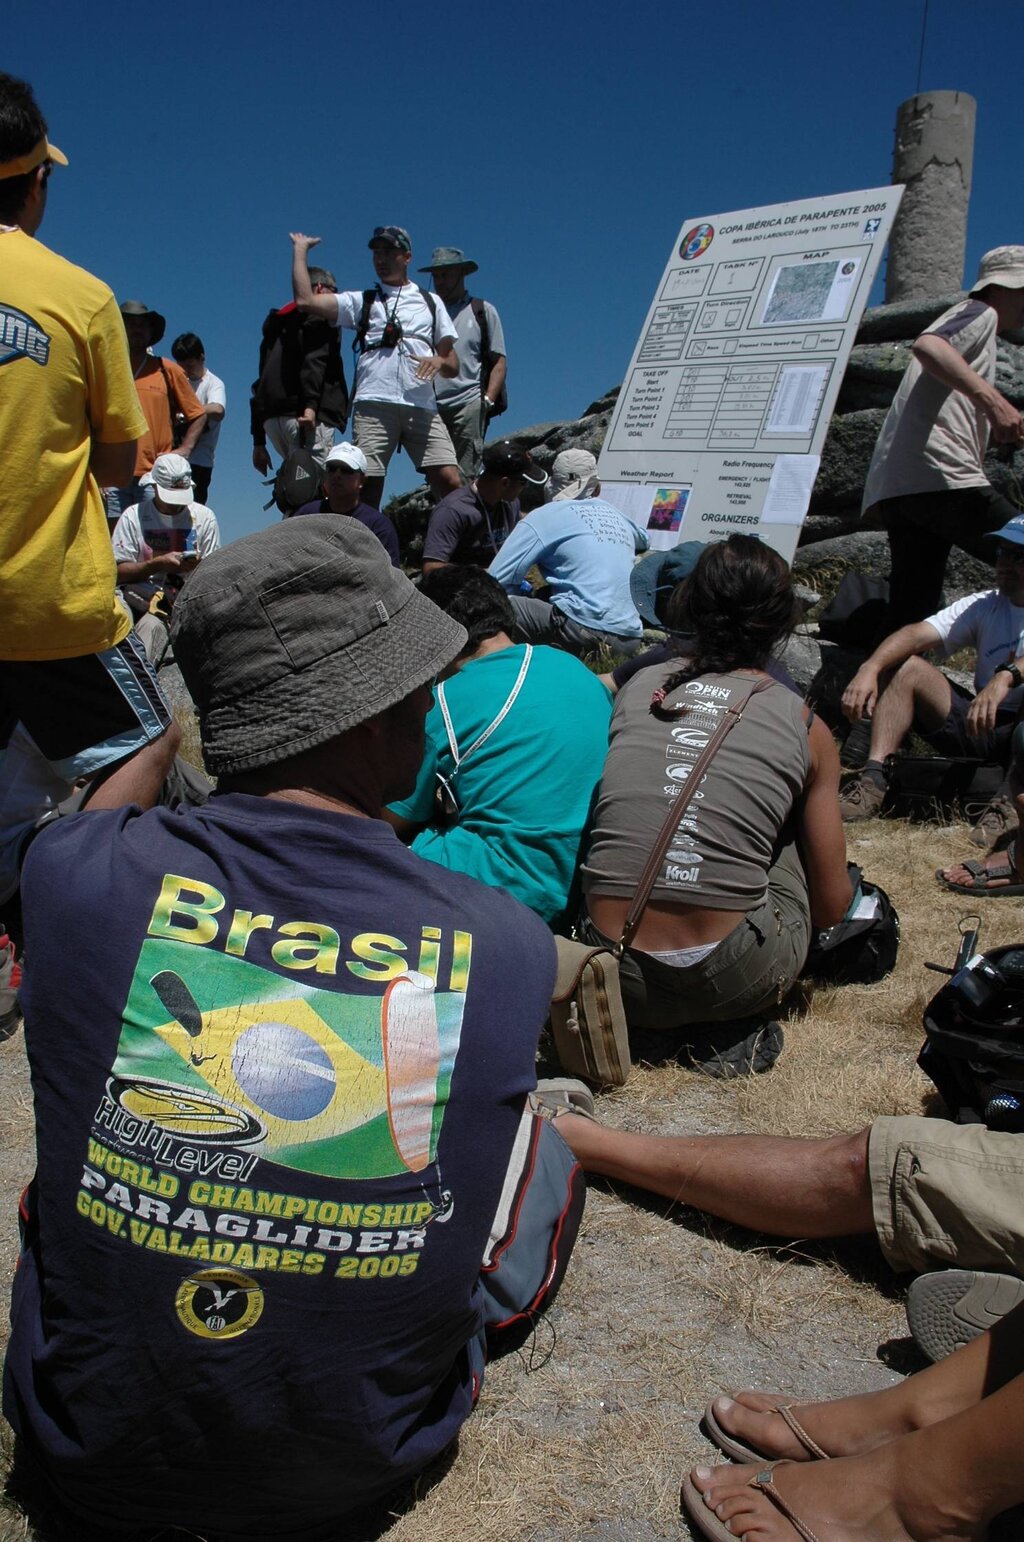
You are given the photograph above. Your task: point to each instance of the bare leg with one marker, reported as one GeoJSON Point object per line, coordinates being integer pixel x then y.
{"type": "Point", "coordinates": [917, 691]}
{"type": "Point", "coordinates": [852, 1426]}
{"type": "Point", "coordinates": [442, 479]}
{"type": "Point", "coordinates": [947, 1481]}
{"type": "Point", "coordinates": [137, 779]}
{"type": "Point", "coordinates": [783, 1186]}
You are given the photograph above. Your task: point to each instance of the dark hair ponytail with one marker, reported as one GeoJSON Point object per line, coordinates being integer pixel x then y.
{"type": "Point", "coordinates": [735, 607]}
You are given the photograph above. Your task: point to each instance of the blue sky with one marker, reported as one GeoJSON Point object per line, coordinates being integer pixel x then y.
{"type": "Point", "coordinates": [561, 146]}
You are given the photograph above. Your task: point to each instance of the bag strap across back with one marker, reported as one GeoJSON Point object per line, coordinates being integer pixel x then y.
{"type": "Point", "coordinates": [648, 877]}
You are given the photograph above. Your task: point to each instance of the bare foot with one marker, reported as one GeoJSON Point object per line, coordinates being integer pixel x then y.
{"type": "Point", "coordinates": [854, 1499]}
{"type": "Point", "coordinates": [848, 1426]}
{"type": "Point", "coordinates": [985, 875]}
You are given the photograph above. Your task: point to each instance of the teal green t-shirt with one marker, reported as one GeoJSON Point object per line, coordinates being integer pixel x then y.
{"type": "Point", "coordinates": [525, 794]}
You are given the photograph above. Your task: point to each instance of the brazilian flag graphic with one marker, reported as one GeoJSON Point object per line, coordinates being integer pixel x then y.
{"type": "Point", "coordinates": [218, 1051]}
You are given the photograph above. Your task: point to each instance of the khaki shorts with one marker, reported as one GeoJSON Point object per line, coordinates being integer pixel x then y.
{"type": "Point", "coordinates": [947, 1195]}
{"type": "Point", "coordinates": [380, 427]}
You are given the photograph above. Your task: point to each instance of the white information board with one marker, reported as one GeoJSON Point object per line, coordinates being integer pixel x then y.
{"type": "Point", "coordinates": [727, 400]}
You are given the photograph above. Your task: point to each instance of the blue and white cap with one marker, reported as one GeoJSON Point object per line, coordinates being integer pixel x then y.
{"type": "Point", "coordinates": [1014, 531]}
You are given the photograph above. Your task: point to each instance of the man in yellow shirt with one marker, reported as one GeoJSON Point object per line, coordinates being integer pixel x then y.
{"type": "Point", "coordinates": [77, 697]}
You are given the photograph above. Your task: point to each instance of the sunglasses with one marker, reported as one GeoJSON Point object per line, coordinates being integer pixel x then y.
{"type": "Point", "coordinates": [1010, 553]}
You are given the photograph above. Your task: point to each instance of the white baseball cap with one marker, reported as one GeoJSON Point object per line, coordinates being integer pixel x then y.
{"type": "Point", "coordinates": [346, 454]}
{"type": "Point", "coordinates": [172, 478]}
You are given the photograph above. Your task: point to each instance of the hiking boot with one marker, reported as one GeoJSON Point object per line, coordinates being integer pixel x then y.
{"type": "Point", "coordinates": [861, 798]}
{"type": "Point", "coordinates": [10, 979]}
{"type": "Point", "coordinates": [857, 745]}
{"type": "Point", "coordinates": [997, 820]}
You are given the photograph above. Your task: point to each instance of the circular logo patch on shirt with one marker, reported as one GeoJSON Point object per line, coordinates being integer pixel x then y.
{"type": "Point", "coordinates": [218, 1303]}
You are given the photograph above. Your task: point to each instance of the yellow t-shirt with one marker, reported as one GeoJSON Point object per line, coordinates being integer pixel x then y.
{"type": "Point", "coordinates": [64, 376]}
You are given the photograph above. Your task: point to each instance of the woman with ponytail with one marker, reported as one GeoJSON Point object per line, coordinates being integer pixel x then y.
{"type": "Point", "coordinates": [759, 857]}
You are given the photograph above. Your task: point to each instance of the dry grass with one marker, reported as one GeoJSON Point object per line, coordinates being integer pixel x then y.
{"type": "Point", "coordinates": [584, 1435]}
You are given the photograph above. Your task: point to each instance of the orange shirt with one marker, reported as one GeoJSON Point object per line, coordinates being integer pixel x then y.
{"type": "Point", "coordinates": [152, 387]}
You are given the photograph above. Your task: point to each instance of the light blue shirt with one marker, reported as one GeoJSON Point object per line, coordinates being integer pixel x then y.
{"type": "Point", "coordinates": [585, 550]}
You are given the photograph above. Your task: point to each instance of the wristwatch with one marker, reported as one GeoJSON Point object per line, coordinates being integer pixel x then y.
{"type": "Point", "coordinates": [1011, 670]}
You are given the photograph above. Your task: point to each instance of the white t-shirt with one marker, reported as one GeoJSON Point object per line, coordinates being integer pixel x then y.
{"type": "Point", "coordinates": [143, 532]}
{"type": "Point", "coordinates": [987, 622]}
{"type": "Point", "coordinates": [389, 374]}
{"type": "Point", "coordinates": [934, 438]}
{"type": "Point", "coordinates": [209, 392]}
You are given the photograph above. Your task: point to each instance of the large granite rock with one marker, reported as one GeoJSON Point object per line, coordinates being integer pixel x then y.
{"type": "Point", "coordinates": [833, 537]}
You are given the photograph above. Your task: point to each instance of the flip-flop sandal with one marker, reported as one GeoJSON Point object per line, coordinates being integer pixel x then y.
{"type": "Point", "coordinates": [707, 1521]}
{"type": "Point", "coordinates": [732, 1446]}
{"type": "Point", "coordinates": [982, 886]}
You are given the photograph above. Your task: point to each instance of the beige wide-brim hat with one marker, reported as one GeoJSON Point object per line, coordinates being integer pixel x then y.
{"type": "Point", "coordinates": [1003, 265]}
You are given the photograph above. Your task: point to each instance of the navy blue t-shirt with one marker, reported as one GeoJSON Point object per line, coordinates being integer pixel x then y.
{"type": "Point", "coordinates": [463, 529]}
{"type": "Point", "coordinates": [279, 1063]}
{"type": "Point", "coordinates": [367, 515]}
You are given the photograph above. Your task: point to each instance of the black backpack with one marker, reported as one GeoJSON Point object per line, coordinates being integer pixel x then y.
{"type": "Point", "coordinates": [974, 1038]}
{"type": "Point", "coordinates": [297, 481]}
{"type": "Point", "coordinates": [860, 950]}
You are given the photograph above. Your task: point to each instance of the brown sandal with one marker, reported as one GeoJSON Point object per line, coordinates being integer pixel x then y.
{"type": "Point", "coordinates": [739, 1450]}
{"type": "Point", "coordinates": [706, 1521]}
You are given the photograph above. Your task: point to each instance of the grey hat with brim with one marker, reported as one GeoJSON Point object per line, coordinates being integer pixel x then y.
{"type": "Point", "coordinates": [297, 633]}
{"type": "Point", "coordinates": [157, 323]}
{"type": "Point", "coordinates": [449, 257]}
{"type": "Point", "coordinates": [655, 576]}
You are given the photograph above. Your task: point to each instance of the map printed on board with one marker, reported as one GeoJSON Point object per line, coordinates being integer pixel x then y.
{"type": "Point", "coordinates": [727, 400]}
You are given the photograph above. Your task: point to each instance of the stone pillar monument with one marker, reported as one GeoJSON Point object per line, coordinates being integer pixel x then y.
{"type": "Point", "coordinates": [933, 156]}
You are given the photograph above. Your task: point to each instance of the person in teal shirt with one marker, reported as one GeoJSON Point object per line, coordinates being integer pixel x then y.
{"type": "Point", "coordinates": [518, 734]}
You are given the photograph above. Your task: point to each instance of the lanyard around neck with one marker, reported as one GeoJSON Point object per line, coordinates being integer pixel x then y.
{"type": "Point", "coordinates": [453, 743]}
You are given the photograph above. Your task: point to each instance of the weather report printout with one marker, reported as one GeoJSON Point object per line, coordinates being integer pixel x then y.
{"type": "Point", "coordinates": [727, 400]}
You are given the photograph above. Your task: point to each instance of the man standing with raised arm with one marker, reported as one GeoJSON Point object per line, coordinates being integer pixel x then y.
{"type": "Point", "coordinates": [404, 339]}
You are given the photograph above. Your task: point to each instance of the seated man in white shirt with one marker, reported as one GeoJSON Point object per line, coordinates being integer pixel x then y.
{"type": "Point", "coordinates": [157, 543]}
{"type": "Point", "coordinates": [404, 339]}
{"type": "Point", "coordinates": [899, 690]}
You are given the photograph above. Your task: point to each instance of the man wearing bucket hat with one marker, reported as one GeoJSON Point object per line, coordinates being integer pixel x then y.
{"type": "Point", "coordinates": [298, 1088]}
{"type": "Point", "coordinates": [477, 393]}
{"type": "Point", "coordinates": [573, 475]}
{"type": "Point", "coordinates": [404, 342]}
{"type": "Point", "coordinates": [76, 695]}
{"type": "Point", "coordinates": [175, 418]}
{"type": "Point", "coordinates": [927, 481]}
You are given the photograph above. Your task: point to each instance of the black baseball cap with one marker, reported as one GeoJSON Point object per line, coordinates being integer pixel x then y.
{"type": "Point", "coordinates": [505, 459]}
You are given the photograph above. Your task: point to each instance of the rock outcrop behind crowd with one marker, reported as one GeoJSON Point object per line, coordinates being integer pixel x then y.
{"type": "Point", "coordinates": [833, 539]}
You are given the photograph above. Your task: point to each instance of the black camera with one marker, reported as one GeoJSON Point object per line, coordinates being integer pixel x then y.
{"type": "Point", "coordinates": [392, 333]}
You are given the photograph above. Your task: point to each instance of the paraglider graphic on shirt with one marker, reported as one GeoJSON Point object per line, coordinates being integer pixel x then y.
{"type": "Point", "coordinates": [218, 1052]}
